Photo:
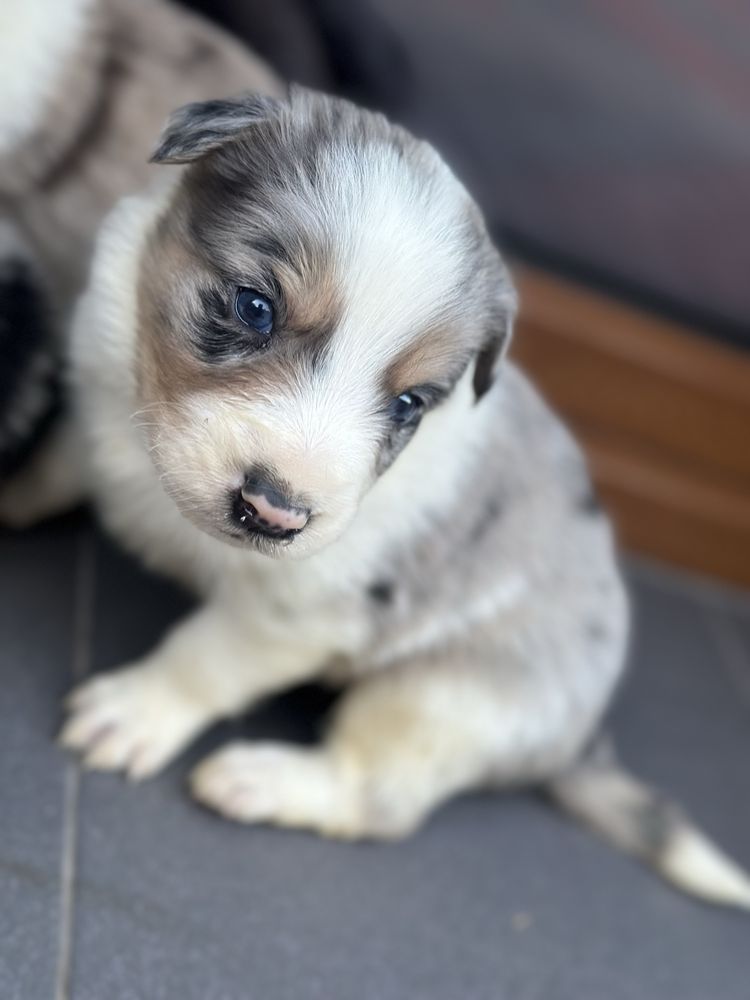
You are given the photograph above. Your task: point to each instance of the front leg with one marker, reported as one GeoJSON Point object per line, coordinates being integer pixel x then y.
{"type": "Point", "coordinates": [401, 743]}
{"type": "Point", "coordinates": [405, 740]}
{"type": "Point", "coordinates": [140, 717]}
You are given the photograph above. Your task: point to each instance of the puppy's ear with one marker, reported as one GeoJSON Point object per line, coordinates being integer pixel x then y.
{"type": "Point", "coordinates": [491, 353]}
{"type": "Point", "coordinates": [195, 129]}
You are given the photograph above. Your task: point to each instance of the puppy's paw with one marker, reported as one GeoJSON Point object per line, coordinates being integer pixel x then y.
{"type": "Point", "coordinates": [275, 783]}
{"type": "Point", "coordinates": [130, 720]}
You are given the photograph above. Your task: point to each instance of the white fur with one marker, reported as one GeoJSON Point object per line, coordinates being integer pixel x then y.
{"type": "Point", "coordinates": [698, 866]}
{"type": "Point", "coordinates": [398, 250]}
{"type": "Point", "coordinates": [37, 39]}
{"type": "Point", "coordinates": [509, 591]}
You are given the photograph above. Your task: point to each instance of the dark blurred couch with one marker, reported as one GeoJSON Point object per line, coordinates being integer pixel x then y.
{"type": "Point", "coordinates": [608, 139]}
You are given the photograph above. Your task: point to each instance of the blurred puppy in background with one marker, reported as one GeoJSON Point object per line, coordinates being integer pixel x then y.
{"type": "Point", "coordinates": [292, 398]}
{"type": "Point", "coordinates": [84, 87]}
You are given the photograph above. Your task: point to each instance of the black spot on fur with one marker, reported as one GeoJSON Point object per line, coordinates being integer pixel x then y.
{"type": "Point", "coordinates": [655, 823]}
{"type": "Point", "coordinates": [382, 592]}
{"type": "Point", "coordinates": [589, 503]}
{"type": "Point", "coordinates": [489, 515]}
{"type": "Point", "coordinates": [596, 631]}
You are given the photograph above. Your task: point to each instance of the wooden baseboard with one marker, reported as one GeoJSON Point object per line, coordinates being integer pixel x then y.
{"type": "Point", "coordinates": [663, 413]}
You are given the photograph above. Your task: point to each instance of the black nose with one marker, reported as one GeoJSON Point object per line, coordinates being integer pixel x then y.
{"type": "Point", "coordinates": [262, 508]}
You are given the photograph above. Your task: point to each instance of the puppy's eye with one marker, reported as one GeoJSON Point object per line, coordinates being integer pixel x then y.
{"type": "Point", "coordinates": [406, 408]}
{"type": "Point", "coordinates": [254, 310]}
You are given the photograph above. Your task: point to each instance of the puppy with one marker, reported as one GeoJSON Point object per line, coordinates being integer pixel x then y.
{"type": "Point", "coordinates": [289, 366]}
{"type": "Point", "coordinates": [286, 367]}
{"type": "Point", "coordinates": [84, 87]}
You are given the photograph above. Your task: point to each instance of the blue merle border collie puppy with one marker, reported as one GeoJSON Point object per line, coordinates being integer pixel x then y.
{"type": "Point", "coordinates": [292, 396]}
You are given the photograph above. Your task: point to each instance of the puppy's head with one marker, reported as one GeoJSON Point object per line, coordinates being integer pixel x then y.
{"type": "Point", "coordinates": [318, 284]}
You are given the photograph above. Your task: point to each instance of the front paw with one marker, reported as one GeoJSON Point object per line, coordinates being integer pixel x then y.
{"type": "Point", "coordinates": [131, 720]}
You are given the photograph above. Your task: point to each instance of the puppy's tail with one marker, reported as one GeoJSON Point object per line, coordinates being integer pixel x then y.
{"type": "Point", "coordinates": [638, 820]}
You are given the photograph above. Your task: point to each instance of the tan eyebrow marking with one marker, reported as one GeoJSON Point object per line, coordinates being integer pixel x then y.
{"type": "Point", "coordinates": [436, 356]}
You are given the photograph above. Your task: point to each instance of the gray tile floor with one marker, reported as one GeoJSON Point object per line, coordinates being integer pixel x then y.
{"type": "Point", "coordinates": [109, 892]}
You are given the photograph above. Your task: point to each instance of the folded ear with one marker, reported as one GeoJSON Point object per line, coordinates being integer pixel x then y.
{"type": "Point", "coordinates": [195, 129]}
{"type": "Point", "coordinates": [491, 353]}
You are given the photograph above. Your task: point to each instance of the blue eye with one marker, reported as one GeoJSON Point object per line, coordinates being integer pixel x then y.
{"type": "Point", "coordinates": [254, 310]}
{"type": "Point", "coordinates": [404, 409]}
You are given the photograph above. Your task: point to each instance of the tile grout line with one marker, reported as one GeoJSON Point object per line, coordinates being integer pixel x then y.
{"type": "Point", "coordinates": [83, 607]}
{"type": "Point", "coordinates": [67, 881]}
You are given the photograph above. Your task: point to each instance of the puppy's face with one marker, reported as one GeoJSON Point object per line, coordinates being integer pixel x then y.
{"type": "Point", "coordinates": [317, 285]}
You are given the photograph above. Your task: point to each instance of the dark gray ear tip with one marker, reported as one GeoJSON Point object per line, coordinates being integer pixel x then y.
{"type": "Point", "coordinates": [165, 153]}
{"type": "Point", "coordinates": [200, 127]}
{"type": "Point", "coordinates": [168, 152]}
{"type": "Point", "coordinates": [159, 155]}
{"type": "Point", "coordinates": [169, 146]}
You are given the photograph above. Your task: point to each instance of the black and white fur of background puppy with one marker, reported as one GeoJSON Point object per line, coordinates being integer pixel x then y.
{"type": "Point", "coordinates": [29, 383]}
{"type": "Point", "coordinates": [84, 87]}
{"type": "Point", "coordinates": [289, 367]}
